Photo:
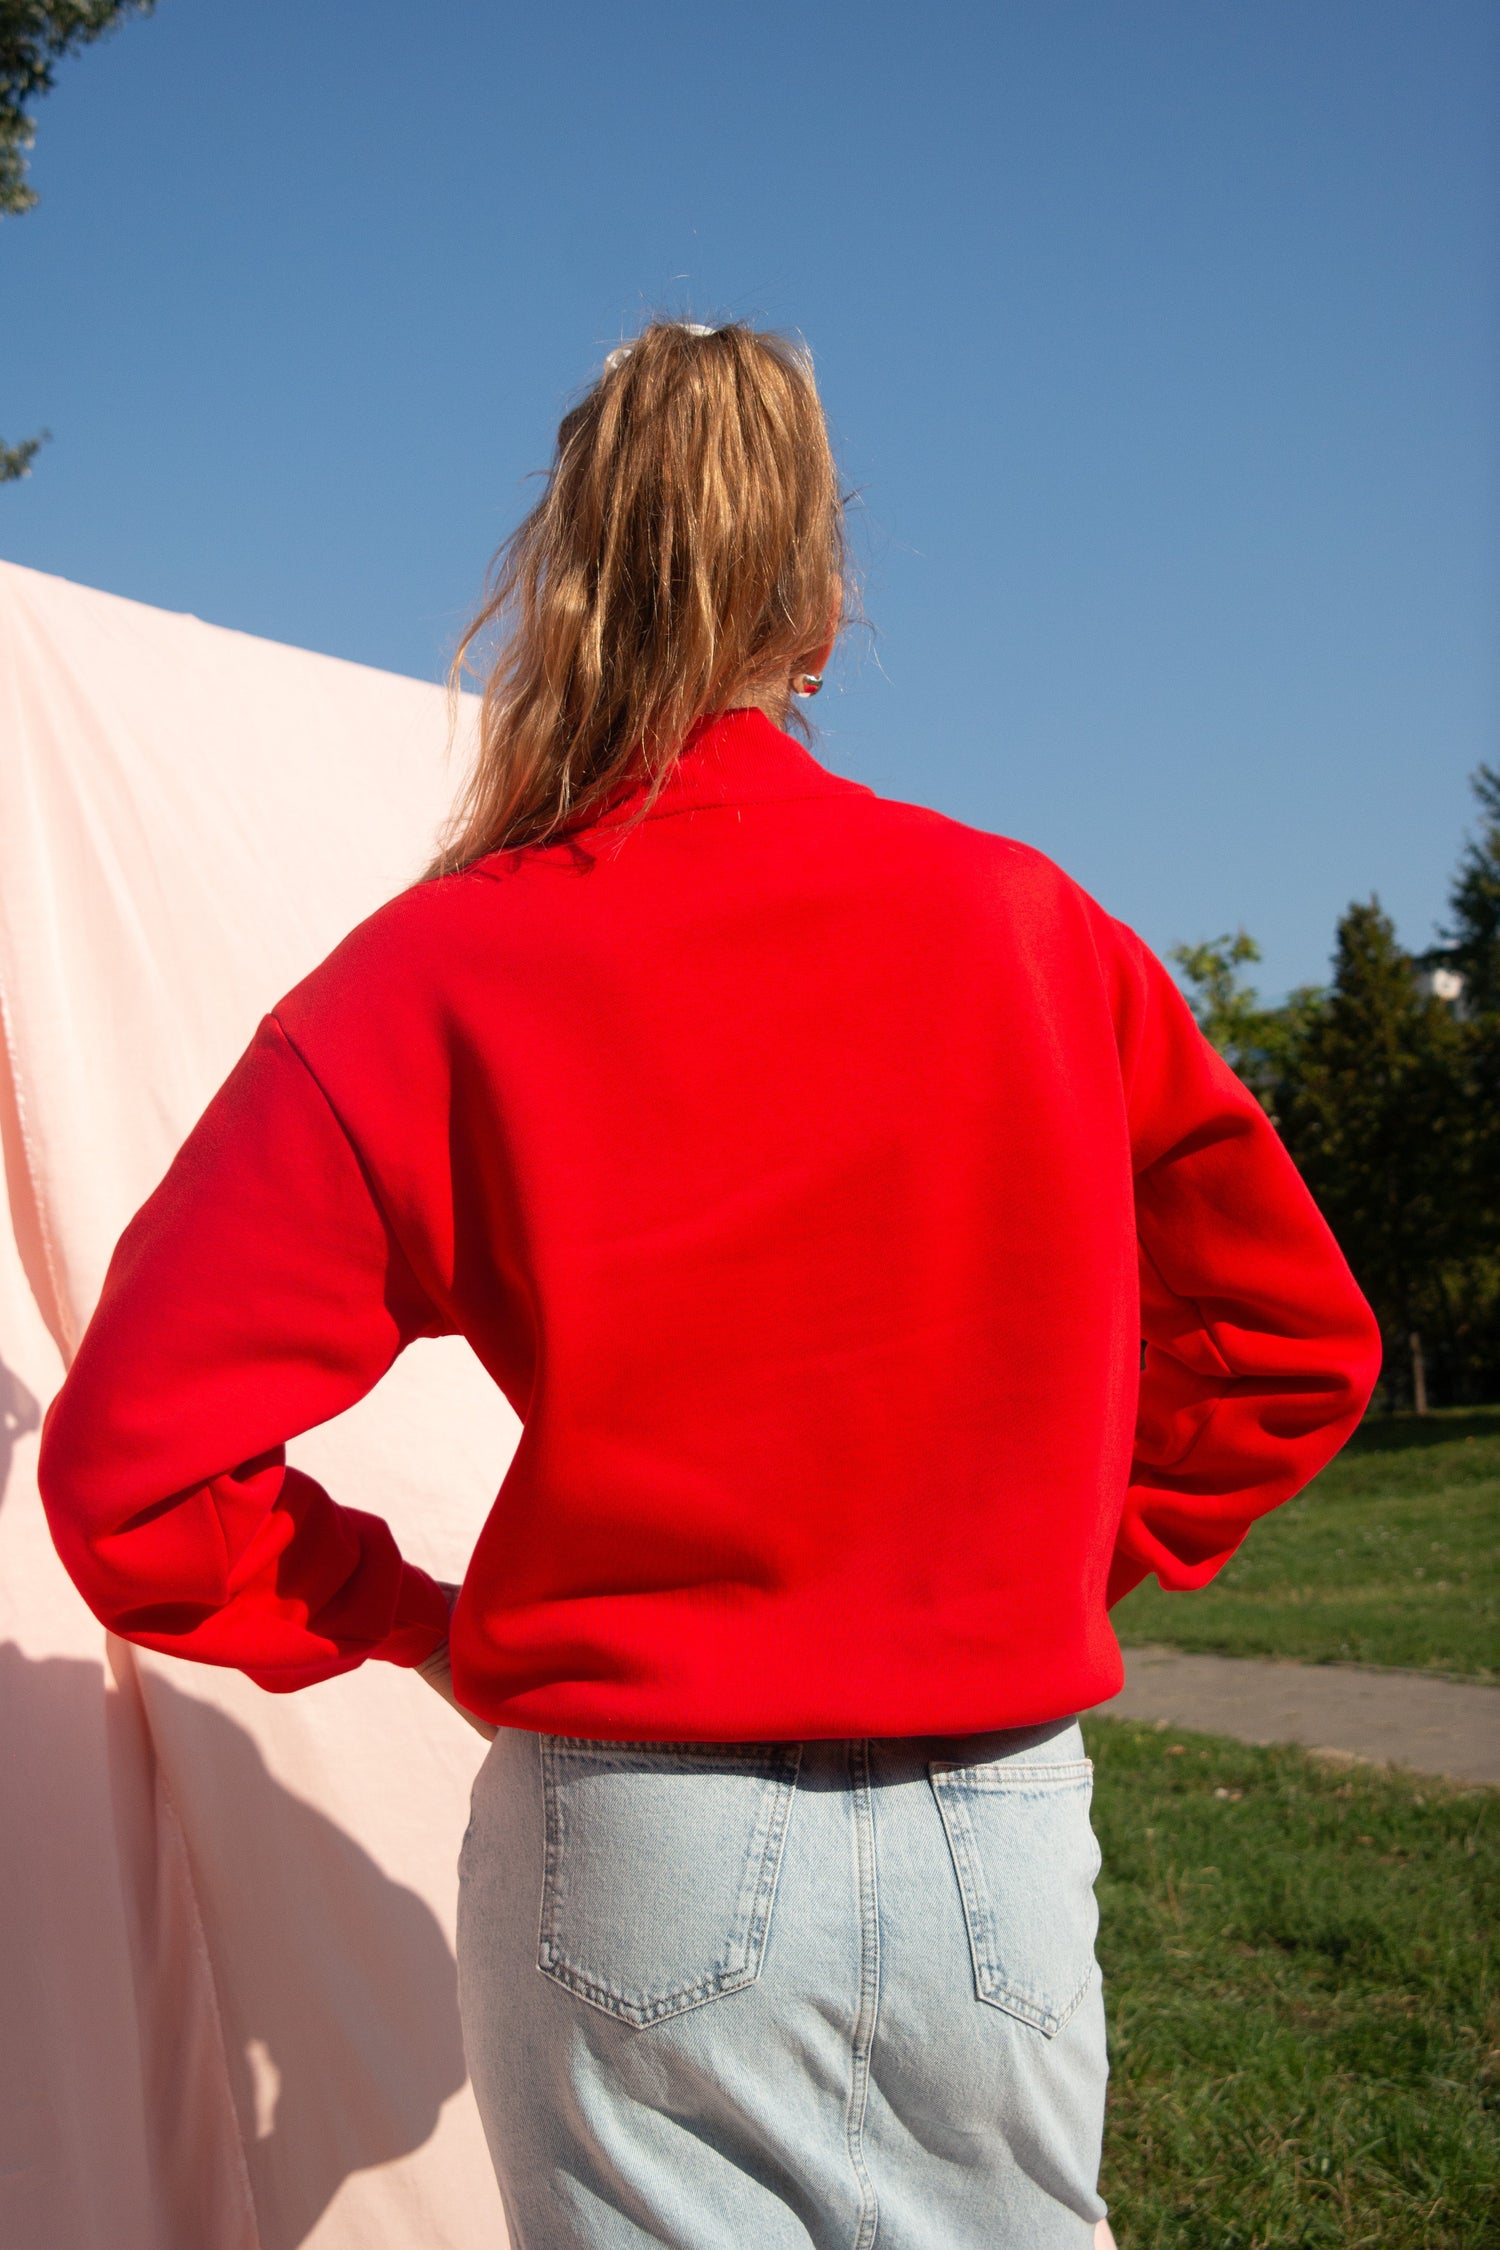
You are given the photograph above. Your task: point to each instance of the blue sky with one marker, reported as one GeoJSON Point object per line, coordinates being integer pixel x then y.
{"type": "Point", "coordinates": [1159, 340]}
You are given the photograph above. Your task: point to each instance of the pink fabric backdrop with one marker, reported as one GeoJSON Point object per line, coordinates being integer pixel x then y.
{"type": "Point", "coordinates": [226, 1918]}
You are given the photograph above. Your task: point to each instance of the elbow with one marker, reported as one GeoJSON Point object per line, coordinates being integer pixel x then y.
{"type": "Point", "coordinates": [1327, 1399]}
{"type": "Point", "coordinates": [123, 1549]}
{"type": "Point", "coordinates": [1368, 1365]}
{"type": "Point", "coordinates": [1363, 1356]}
{"type": "Point", "coordinates": [78, 1518]}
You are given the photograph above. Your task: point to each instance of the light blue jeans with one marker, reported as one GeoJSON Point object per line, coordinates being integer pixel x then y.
{"type": "Point", "coordinates": [746, 1996]}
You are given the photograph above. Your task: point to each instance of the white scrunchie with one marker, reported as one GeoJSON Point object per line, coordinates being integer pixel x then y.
{"type": "Point", "coordinates": [622, 352]}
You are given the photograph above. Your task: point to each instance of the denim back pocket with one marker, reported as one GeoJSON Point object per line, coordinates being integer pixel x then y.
{"type": "Point", "coordinates": [1025, 1856]}
{"type": "Point", "coordinates": [661, 1867]}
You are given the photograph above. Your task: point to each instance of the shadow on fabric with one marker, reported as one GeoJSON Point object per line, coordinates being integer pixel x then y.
{"type": "Point", "coordinates": [20, 1414]}
{"type": "Point", "coordinates": [296, 2008]}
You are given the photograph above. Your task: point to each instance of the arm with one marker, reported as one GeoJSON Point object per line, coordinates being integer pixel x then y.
{"type": "Point", "coordinates": [258, 1292]}
{"type": "Point", "coordinates": [1261, 1352]}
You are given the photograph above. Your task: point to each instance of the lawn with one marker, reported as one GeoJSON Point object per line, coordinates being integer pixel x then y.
{"type": "Point", "coordinates": [1305, 2034]}
{"type": "Point", "coordinates": [1391, 1557]}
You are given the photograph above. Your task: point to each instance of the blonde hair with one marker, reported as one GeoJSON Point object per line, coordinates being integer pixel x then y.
{"type": "Point", "coordinates": [688, 550]}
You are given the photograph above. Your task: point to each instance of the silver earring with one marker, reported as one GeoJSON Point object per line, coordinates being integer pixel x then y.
{"type": "Point", "coordinates": [806, 683]}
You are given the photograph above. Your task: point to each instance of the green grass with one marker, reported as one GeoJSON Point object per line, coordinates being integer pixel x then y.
{"type": "Point", "coordinates": [1304, 2025]}
{"type": "Point", "coordinates": [1392, 1556]}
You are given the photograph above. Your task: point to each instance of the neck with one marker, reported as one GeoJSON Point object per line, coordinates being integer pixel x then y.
{"type": "Point", "coordinates": [773, 699]}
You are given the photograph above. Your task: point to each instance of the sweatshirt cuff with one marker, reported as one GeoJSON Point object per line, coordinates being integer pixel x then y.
{"type": "Point", "coordinates": [420, 1624]}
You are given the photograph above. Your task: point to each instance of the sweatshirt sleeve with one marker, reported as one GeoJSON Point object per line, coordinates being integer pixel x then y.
{"type": "Point", "coordinates": [258, 1292]}
{"type": "Point", "coordinates": [1260, 1353]}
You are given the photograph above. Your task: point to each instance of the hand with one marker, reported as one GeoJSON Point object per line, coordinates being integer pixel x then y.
{"type": "Point", "coordinates": [437, 1671]}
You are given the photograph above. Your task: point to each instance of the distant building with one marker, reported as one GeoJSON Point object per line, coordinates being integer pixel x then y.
{"type": "Point", "coordinates": [1437, 979]}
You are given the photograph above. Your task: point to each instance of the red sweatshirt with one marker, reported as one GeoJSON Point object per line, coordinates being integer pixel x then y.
{"type": "Point", "coordinates": [806, 1169]}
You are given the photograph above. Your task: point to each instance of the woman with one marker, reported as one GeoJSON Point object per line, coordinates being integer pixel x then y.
{"type": "Point", "coordinates": [807, 1169]}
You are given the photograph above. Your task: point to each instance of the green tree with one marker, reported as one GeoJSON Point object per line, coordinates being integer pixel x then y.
{"type": "Point", "coordinates": [1258, 1042]}
{"type": "Point", "coordinates": [1473, 947]}
{"type": "Point", "coordinates": [1388, 1096]}
{"type": "Point", "coordinates": [1228, 1010]}
{"type": "Point", "coordinates": [1473, 936]}
{"type": "Point", "coordinates": [34, 35]}
{"type": "Point", "coordinates": [1374, 1105]}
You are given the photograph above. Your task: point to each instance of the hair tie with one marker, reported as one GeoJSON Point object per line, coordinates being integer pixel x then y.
{"type": "Point", "coordinates": [622, 352]}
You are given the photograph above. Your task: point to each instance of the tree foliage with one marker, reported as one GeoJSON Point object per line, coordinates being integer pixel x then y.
{"type": "Point", "coordinates": [1256, 1041]}
{"type": "Point", "coordinates": [16, 460]}
{"type": "Point", "coordinates": [1373, 1111]}
{"type": "Point", "coordinates": [1473, 935]}
{"type": "Point", "coordinates": [1228, 1010]}
{"type": "Point", "coordinates": [1387, 1094]}
{"type": "Point", "coordinates": [34, 35]}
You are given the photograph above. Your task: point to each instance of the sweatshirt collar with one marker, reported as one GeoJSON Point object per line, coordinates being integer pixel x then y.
{"type": "Point", "coordinates": [732, 758]}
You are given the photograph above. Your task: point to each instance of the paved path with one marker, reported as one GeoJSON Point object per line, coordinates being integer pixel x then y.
{"type": "Point", "coordinates": [1392, 1718]}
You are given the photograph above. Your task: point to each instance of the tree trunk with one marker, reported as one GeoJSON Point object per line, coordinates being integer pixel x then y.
{"type": "Point", "coordinates": [1418, 1374]}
